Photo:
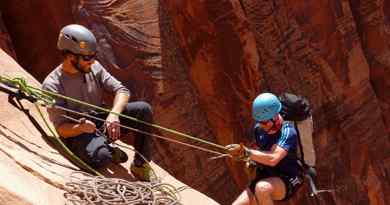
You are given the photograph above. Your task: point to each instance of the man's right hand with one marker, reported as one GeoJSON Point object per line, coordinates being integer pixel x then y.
{"type": "Point", "coordinates": [87, 126]}
{"type": "Point", "coordinates": [238, 151]}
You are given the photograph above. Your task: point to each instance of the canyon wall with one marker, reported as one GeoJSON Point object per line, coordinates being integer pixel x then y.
{"type": "Point", "coordinates": [201, 63]}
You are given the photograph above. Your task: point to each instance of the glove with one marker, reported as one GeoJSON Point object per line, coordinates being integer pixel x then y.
{"type": "Point", "coordinates": [238, 152]}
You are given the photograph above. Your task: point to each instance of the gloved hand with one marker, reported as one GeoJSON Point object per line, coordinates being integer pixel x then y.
{"type": "Point", "coordinates": [238, 151]}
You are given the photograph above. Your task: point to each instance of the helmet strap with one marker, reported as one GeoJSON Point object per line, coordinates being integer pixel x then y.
{"type": "Point", "coordinates": [276, 124]}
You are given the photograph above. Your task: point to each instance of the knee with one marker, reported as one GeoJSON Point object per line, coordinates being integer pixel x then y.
{"type": "Point", "coordinates": [263, 188]}
{"type": "Point", "coordinates": [146, 107]}
{"type": "Point", "coordinates": [146, 110]}
{"type": "Point", "coordinates": [241, 201]}
{"type": "Point", "coordinates": [102, 157]}
{"type": "Point", "coordinates": [237, 202]}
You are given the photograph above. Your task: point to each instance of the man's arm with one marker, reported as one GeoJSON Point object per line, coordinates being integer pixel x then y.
{"type": "Point", "coordinates": [120, 101]}
{"type": "Point", "coordinates": [68, 129]}
{"type": "Point", "coordinates": [122, 95]}
{"type": "Point", "coordinates": [269, 158]}
{"type": "Point", "coordinates": [112, 122]}
{"type": "Point", "coordinates": [287, 141]}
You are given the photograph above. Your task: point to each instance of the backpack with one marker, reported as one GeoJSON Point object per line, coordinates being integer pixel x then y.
{"type": "Point", "coordinates": [297, 109]}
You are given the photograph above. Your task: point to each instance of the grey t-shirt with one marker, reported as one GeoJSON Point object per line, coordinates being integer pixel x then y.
{"type": "Point", "coordinates": [85, 87]}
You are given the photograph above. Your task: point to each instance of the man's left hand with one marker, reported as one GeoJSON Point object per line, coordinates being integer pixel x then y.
{"type": "Point", "coordinates": [113, 128]}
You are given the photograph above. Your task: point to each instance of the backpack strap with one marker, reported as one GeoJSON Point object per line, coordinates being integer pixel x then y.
{"type": "Point", "coordinates": [302, 155]}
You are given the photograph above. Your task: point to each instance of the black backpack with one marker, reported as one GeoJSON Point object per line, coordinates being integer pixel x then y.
{"type": "Point", "coordinates": [296, 108]}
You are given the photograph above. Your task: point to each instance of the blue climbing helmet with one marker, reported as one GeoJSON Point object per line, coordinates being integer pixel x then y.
{"type": "Point", "coordinates": [265, 107]}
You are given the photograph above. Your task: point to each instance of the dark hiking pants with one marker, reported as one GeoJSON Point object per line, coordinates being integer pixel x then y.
{"type": "Point", "coordinates": [94, 148]}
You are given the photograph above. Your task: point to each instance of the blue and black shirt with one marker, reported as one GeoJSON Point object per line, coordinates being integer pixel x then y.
{"type": "Point", "coordinates": [285, 138]}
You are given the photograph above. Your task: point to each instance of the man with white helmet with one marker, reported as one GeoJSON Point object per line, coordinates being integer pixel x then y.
{"type": "Point", "coordinates": [82, 77]}
{"type": "Point", "coordinates": [278, 172]}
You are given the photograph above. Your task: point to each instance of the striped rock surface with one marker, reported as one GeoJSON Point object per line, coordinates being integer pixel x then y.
{"type": "Point", "coordinates": [33, 170]}
{"type": "Point", "coordinates": [200, 63]}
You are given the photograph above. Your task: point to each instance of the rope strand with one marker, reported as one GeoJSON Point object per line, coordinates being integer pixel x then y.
{"type": "Point", "coordinates": [47, 98]}
{"type": "Point", "coordinates": [130, 118]}
{"type": "Point", "coordinates": [140, 131]}
{"type": "Point", "coordinates": [89, 189]}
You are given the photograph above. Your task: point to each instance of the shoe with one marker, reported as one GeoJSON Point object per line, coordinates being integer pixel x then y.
{"type": "Point", "coordinates": [118, 156]}
{"type": "Point", "coordinates": [143, 172]}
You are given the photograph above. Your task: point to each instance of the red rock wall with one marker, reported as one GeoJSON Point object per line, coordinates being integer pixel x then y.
{"type": "Point", "coordinates": [221, 61]}
{"type": "Point", "coordinates": [319, 53]}
{"type": "Point", "coordinates": [371, 25]}
{"type": "Point", "coordinates": [200, 63]}
{"type": "Point", "coordinates": [34, 26]}
{"type": "Point", "coordinates": [5, 41]}
{"type": "Point", "coordinates": [130, 47]}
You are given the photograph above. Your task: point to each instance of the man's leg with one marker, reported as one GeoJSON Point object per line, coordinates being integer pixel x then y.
{"type": "Point", "coordinates": [92, 149]}
{"type": "Point", "coordinates": [142, 111]}
{"type": "Point", "coordinates": [245, 198]}
{"type": "Point", "coordinates": [270, 189]}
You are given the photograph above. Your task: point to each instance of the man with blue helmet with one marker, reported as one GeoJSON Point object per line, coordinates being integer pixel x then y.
{"type": "Point", "coordinates": [278, 172]}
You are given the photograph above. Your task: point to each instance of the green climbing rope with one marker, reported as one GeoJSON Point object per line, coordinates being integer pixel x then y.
{"type": "Point", "coordinates": [48, 98]}
{"type": "Point", "coordinates": [80, 162]}
{"type": "Point", "coordinates": [96, 190]}
{"type": "Point", "coordinates": [22, 86]}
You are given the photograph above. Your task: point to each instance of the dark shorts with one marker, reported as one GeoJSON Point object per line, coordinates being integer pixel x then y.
{"type": "Point", "coordinates": [292, 183]}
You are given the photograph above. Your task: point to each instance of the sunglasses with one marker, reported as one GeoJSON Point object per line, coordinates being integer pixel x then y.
{"type": "Point", "coordinates": [88, 57]}
{"type": "Point", "coordinates": [266, 122]}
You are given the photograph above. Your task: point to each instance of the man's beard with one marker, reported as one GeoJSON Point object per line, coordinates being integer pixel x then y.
{"type": "Point", "coordinates": [78, 68]}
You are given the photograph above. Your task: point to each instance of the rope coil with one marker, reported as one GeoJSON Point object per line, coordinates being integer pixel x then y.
{"type": "Point", "coordinates": [84, 188]}
{"type": "Point", "coordinates": [87, 189]}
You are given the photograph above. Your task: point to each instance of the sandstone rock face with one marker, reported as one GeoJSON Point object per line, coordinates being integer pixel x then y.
{"type": "Point", "coordinates": [32, 171]}
{"type": "Point", "coordinates": [371, 25]}
{"type": "Point", "coordinates": [325, 63]}
{"type": "Point", "coordinates": [5, 41]}
{"type": "Point", "coordinates": [200, 63]}
{"type": "Point", "coordinates": [34, 27]}
{"type": "Point", "coordinates": [131, 48]}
